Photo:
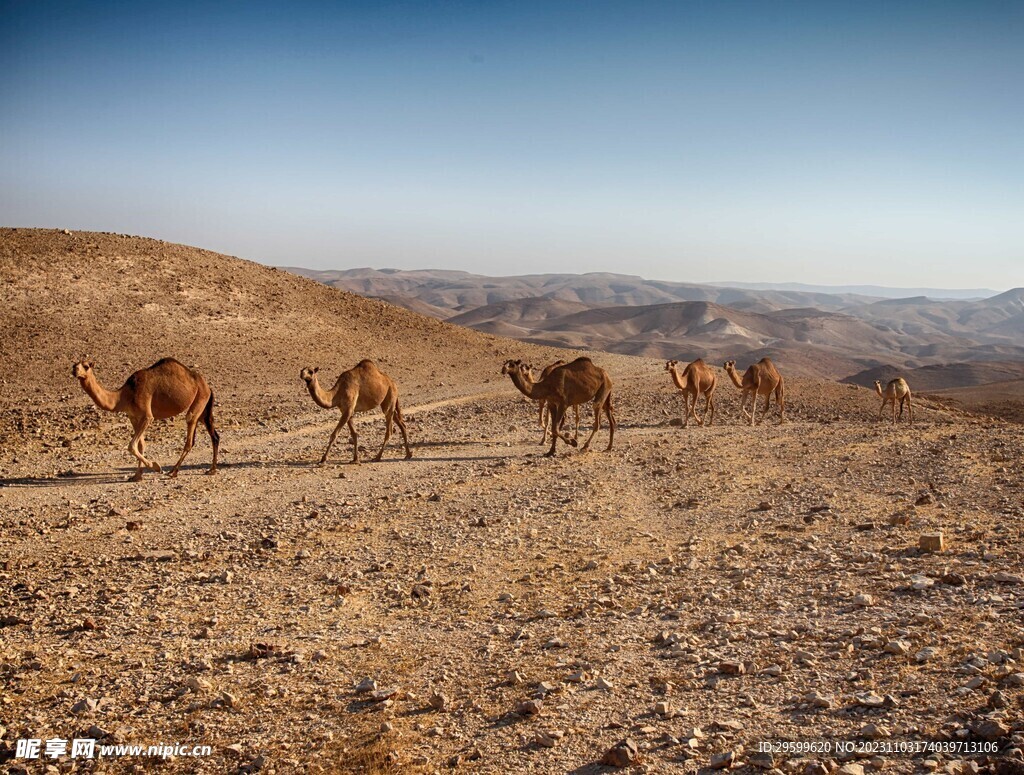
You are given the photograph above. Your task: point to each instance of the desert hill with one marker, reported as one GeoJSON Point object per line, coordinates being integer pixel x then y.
{"type": "Point", "coordinates": [126, 301]}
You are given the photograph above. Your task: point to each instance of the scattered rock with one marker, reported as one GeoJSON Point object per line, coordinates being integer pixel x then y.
{"type": "Point", "coordinates": [623, 754]}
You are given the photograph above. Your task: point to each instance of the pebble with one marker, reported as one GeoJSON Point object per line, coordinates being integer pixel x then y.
{"type": "Point", "coordinates": [721, 761]}
{"type": "Point", "coordinates": [366, 686]}
{"type": "Point", "coordinates": [623, 754]}
{"type": "Point", "coordinates": [530, 707]}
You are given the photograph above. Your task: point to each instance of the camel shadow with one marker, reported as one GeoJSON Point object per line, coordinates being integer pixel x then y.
{"type": "Point", "coordinates": [65, 480]}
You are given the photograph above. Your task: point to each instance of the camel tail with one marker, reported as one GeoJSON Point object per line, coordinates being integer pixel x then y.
{"type": "Point", "coordinates": [208, 421]}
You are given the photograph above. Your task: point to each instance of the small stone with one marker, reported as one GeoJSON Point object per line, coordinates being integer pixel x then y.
{"type": "Point", "coordinates": [898, 647]}
{"type": "Point", "coordinates": [438, 701]}
{"type": "Point", "coordinates": [722, 761]}
{"type": "Point", "coordinates": [863, 601]}
{"type": "Point", "coordinates": [604, 684]}
{"type": "Point", "coordinates": [530, 707]}
{"type": "Point", "coordinates": [198, 685]}
{"type": "Point", "coordinates": [851, 769]}
{"type": "Point", "coordinates": [622, 754]}
{"type": "Point", "coordinates": [763, 761]}
{"type": "Point", "coordinates": [925, 654]}
{"type": "Point", "coordinates": [663, 709]}
{"type": "Point", "coordinates": [816, 700]}
{"type": "Point", "coordinates": [990, 730]}
{"type": "Point", "coordinates": [366, 686]}
{"type": "Point", "coordinates": [870, 700]}
{"type": "Point", "coordinates": [85, 705]}
{"type": "Point", "coordinates": [874, 732]}
{"type": "Point", "coordinates": [932, 542]}
{"type": "Point", "coordinates": [732, 668]}
{"type": "Point", "coordinates": [548, 737]}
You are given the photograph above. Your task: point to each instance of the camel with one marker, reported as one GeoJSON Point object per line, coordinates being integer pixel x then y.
{"type": "Point", "coordinates": [360, 389]}
{"type": "Point", "coordinates": [569, 385]}
{"type": "Point", "coordinates": [896, 390]}
{"type": "Point", "coordinates": [165, 389]}
{"type": "Point", "coordinates": [543, 410]}
{"type": "Point", "coordinates": [760, 379]}
{"type": "Point", "coordinates": [697, 379]}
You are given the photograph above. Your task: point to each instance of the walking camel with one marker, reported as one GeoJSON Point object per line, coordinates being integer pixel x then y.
{"type": "Point", "coordinates": [165, 389]}
{"type": "Point", "coordinates": [760, 379]}
{"type": "Point", "coordinates": [362, 388]}
{"type": "Point", "coordinates": [543, 409]}
{"type": "Point", "coordinates": [896, 390]}
{"type": "Point", "coordinates": [696, 380]}
{"type": "Point", "coordinates": [573, 384]}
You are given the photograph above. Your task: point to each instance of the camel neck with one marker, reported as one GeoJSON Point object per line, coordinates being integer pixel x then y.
{"type": "Point", "coordinates": [525, 387]}
{"type": "Point", "coordinates": [103, 398]}
{"type": "Point", "coordinates": [681, 382]}
{"type": "Point", "coordinates": [322, 397]}
{"type": "Point", "coordinates": [735, 377]}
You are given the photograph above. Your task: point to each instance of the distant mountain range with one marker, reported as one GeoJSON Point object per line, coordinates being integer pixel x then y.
{"type": "Point", "coordinates": [852, 333]}
{"type": "Point", "coordinates": [869, 290]}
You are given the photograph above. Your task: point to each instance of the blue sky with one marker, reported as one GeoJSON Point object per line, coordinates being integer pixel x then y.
{"type": "Point", "coordinates": [823, 142]}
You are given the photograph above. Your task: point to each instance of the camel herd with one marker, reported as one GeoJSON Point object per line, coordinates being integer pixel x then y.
{"type": "Point", "coordinates": [168, 388]}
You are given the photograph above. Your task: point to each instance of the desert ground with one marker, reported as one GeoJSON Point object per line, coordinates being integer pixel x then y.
{"type": "Point", "coordinates": [695, 591]}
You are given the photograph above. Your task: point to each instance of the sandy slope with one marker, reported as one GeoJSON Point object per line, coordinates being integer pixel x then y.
{"type": "Point", "coordinates": [242, 610]}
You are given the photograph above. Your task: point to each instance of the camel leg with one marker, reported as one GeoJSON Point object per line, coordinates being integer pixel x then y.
{"type": "Point", "coordinates": [611, 422]}
{"type": "Point", "coordinates": [576, 433]}
{"type": "Point", "coordinates": [699, 419]}
{"type": "Point", "coordinates": [743, 403]}
{"type": "Point", "coordinates": [191, 423]}
{"type": "Point", "coordinates": [134, 447]}
{"type": "Point", "coordinates": [597, 425]}
{"type": "Point", "coordinates": [910, 409]}
{"type": "Point", "coordinates": [214, 436]}
{"type": "Point", "coordinates": [400, 422]}
{"type": "Point", "coordinates": [709, 406]}
{"type": "Point", "coordinates": [599, 404]}
{"type": "Point", "coordinates": [353, 439]}
{"type": "Point", "coordinates": [894, 411]}
{"type": "Point", "coordinates": [346, 419]}
{"type": "Point", "coordinates": [555, 417]}
{"type": "Point", "coordinates": [389, 418]}
{"type": "Point", "coordinates": [545, 418]}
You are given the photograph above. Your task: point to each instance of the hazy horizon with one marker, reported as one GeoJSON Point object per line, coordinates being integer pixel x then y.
{"type": "Point", "coordinates": [823, 144]}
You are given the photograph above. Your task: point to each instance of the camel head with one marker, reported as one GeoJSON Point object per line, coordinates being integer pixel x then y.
{"type": "Point", "coordinates": [81, 369]}
{"type": "Point", "coordinates": [307, 375]}
{"type": "Point", "coordinates": [669, 365]}
{"type": "Point", "coordinates": [878, 383]}
{"type": "Point", "coordinates": [511, 366]}
{"type": "Point", "coordinates": [730, 365]}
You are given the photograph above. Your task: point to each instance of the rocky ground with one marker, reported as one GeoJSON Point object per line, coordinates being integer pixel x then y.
{"type": "Point", "coordinates": [695, 590]}
{"type": "Point", "coordinates": [480, 608]}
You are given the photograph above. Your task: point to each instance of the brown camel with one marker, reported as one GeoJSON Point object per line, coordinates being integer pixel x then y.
{"type": "Point", "coordinates": [574, 383]}
{"type": "Point", "coordinates": [760, 379]}
{"type": "Point", "coordinates": [165, 389]}
{"type": "Point", "coordinates": [543, 410]}
{"type": "Point", "coordinates": [896, 390]}
{"type": "Point", "coordinates": [697, 379]}
{"type": "Point", "coordinates": [360, 389]}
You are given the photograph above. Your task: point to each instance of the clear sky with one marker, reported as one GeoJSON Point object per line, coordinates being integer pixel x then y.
{"type": "Point", "coordinates": [823, 142]}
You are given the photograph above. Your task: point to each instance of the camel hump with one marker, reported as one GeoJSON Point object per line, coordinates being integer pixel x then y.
{"type": "Point", "coordinates": [366, 363]}
{"type": "Point", "coordinates": [167, 362]}
{"type": "Point", "coordinates": [583, 359]}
